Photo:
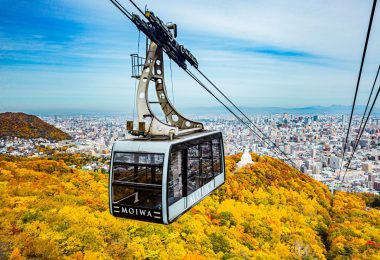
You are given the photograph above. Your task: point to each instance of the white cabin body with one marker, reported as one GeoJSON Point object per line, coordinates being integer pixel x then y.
{"type": "Point", "coordinates": [159, 180]}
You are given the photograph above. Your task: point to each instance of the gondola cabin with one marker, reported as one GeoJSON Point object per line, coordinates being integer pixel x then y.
{"type": "Point", "coordinates": [157, 181]}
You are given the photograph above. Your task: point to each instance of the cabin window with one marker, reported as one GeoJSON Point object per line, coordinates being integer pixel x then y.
{"type": "Point", "coordinates": [206, 174]}
{"type": "Point", "coordinates": [193, 152]}
{"type": "Point", "coordinates": [206, 150]}
{"type": "Point", "coordinates": [199, 166]}
{"type": "Point", "coordinates": [157, 175]}
{"type": "Point", "coordinates": [138, 168]}
{"type": "Point", "coordinates": [122, 192]}
{"type": "Point", "coordinates": [139, 158]}
{"type": "Point", "coordinates": [216, 156]}
{"type": "Point", "coordinates": [193, 169]}
{"type": "Point", "coordinates": [139, 197]}
{"type": "Point", "coordinates": [137, 179]}
{"type": "Point", "coordinates": [123, 172]}
{"type": "Point", "coordinates": [192, 165]}
{"type": "Point", "coordinates": [175, 188]}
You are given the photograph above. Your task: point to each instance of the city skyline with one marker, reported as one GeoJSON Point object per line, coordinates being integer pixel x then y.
{"type": "Point", "coordinates": [313, 143]}
{"type": "Point", "coordinates": [70, 56]}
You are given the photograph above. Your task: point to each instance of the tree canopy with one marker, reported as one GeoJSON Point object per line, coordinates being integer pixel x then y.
{"type": "Point", "coordinates": [266, 210]}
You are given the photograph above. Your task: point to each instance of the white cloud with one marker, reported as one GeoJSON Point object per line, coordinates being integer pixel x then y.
{"type": "Point", "coordinates": [328, 28]}
{"type": "Point", "coordinates": [333, 31]}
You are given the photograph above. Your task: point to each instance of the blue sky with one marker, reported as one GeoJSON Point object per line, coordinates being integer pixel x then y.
{"type": "Point", "coordinates": [73, 56]}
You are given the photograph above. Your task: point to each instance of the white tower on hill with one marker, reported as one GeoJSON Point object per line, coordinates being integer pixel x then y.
{"type": "Point", "coordinates": [245, 158]}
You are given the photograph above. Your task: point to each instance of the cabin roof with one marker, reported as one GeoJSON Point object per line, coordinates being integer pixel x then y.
{"type": "Point", "coordinates": [144, 145]}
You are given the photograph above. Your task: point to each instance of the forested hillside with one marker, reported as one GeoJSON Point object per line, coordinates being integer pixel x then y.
{"type": "Point", "coordinates": [266, 210]}
{"type": "Point", "coordinates": [355, 231]}
{"type": "Point", "coordinates": [28, 127]}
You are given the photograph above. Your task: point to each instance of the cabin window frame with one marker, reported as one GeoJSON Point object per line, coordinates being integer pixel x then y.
{"type": "Point", "coordinates": [184, 147]}
{"type": "Point", "coordinates": [153, 188]}
{"type": "Point", "coordinates": [152, 166]}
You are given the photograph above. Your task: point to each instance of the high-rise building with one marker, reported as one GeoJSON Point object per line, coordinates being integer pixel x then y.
{"type": "Point", "coordinates": [316, 169]}
{"type": "Point", "coordinates": [325, 160]}
{"type": "Point", "coordinates": [376, 185]}
{"type": "Point", "coordinates": [364, 143]}
{"type": "Point", "coordinates": [287, 149]}
{"type": "Point", "coordinates": [313, 153]}
{"type": "Point", "coordinates": [286, 116]}
{"type": "Point", "coordinates": [255, 148]}
{"type": "Point", "coordinates": [308, 164]}
{"type": "Point", "coordinates": [371, 180]}
{"type": "Point", "coordinates": [367, 167]}
{"type": "Point", "coordinates": [335, 162]}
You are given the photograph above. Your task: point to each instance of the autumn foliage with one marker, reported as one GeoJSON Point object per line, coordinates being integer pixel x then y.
{"type": "Point", "coordinates": [28, 127]}
{"type": "Point", "coordinates": [266, 210]}
{"type": "Point", "coordinates": [355, 231]}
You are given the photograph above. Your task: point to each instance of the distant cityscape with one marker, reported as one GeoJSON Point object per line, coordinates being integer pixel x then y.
{"type": "Point", "coordinates": [313, 142]}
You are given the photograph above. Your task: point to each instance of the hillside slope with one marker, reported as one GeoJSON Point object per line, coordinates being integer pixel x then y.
{"type": "Point", "coordinates": [28, 126]}
{"type": "Point", "coordinates": [355, 229]}
{"type": "Point", "coordinates": [266, 211]}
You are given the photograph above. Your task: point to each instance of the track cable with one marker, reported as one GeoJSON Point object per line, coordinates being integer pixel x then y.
{"type": "Point", "coordinates": [358, 82]}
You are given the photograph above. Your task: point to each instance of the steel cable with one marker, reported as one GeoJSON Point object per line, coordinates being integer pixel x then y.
{"type": "Point", "coordinates": [358, 81]}
{"type": "Point", "coordinates": [362, 130]}
{"type": "Point", "coordinates": [234, 114]}
{"type": "Point", "coordinates": [366, 107]}
{"type": "Point", "coordinates": [244, 115]}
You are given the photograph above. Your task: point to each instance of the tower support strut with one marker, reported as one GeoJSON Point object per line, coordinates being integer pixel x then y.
{"type": "Point", "coordinates": [176, 124]}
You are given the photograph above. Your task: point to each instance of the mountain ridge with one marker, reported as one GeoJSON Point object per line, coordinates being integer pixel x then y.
{"type": "Point", "coordinates": [307, 110]}
{"type": "Point", "coordinates": [29, 127]}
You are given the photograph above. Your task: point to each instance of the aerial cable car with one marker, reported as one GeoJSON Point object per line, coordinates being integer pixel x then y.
{"type": "Point", "coordinates": [167, 167]}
